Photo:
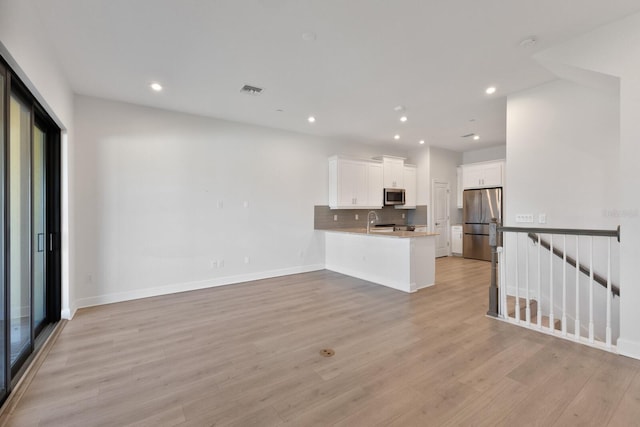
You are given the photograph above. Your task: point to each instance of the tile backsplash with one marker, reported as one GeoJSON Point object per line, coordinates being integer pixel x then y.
{"type": "Point", "coordinates": [346, 218]}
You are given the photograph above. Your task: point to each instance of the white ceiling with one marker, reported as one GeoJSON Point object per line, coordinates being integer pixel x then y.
{"type": "Point", "coordinates": [434, 57]}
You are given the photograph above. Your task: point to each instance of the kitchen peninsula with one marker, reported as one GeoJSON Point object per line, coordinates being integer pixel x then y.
{"type": "Point", "coordinates": [403, 260]}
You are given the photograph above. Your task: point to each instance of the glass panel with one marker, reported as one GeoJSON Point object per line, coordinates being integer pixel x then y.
{"type": "Point", "coordinates": [39, 242]}
{"type": "Point", "coordinates": [19, 227]}
{"type": "Point", "coordinates": [3, 316]}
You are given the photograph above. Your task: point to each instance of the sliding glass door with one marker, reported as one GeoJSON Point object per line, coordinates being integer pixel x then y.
{"type": "Point", "coordinates": [19, 227]}
{"type": "Point", "coordinates": [4, 366]}
{"type": "Point", "coordinates": [30, 217]}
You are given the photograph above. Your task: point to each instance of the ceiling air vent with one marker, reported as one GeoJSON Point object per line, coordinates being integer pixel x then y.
{"type": "Point", "coordinates": [251, 90]}
{"type": "Point", "coordinates": [469, 135]}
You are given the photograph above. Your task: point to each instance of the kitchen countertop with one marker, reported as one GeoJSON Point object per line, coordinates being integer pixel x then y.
{"type": "Point", "coordinates": [395, 234]}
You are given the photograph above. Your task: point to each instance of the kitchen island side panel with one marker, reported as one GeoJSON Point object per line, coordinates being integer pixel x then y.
{"type": "Point", "coordinates": [397, 263]}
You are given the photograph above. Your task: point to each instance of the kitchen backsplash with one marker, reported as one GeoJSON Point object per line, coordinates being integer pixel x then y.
{"type": "Point", "coordinates": [323, 217]}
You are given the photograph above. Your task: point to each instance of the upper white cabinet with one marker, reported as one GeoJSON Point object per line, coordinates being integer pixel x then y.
{"type": "Point", "coordinates": [393, 172]}
{"type": "Point", "coordinates": [479, 175]}
{"type": "Point", "coordinates": [355, 184]}
{"type": "Point", "coordinates": [410, 180]}
{"type": "Point", "coordinates": [375, 189]}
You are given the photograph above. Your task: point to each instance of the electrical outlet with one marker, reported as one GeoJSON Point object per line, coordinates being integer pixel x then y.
{"type": "Point", "coordinates": [220, 263]}
{"type": "Point", "coordinates": [214, 263]}
{"type": "Point", "coordinates": [542, 218]}
{"type": "Point", "coordinates": [245, 204]}
{"type": "Point", "coordinates": [524, 218]}
{"type": "Point", "coordinates": [246, 260]}
{"type": "Point", "coordinates": [356, 217]}
{"type": "Point", "coordinates": [402, 216]}
{"type": "Point", "coordinates": [335, 217]}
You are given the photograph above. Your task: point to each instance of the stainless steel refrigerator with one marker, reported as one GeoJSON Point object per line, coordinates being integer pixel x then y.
{"type": "Point", "coordinates": [479, 207]}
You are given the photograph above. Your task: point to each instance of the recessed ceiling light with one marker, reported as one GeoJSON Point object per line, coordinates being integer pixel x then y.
{"type": "Point", "coordinates": [490, 90]}
{"type": "Point", "coordinates": [403, 119]}
{"type": "Point", "coordinates": [156, 87]}
{"type": "Point", "coordinates": [476, 137]}
{"type": "Point", "coordinates": [396, 137]}
{"type": "Point", "coordinates": [311, 119]}
{"type": "Point", "coordinates": [421, 141]}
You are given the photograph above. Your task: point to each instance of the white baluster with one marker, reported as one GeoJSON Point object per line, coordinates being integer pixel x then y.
{"type": "Point", "coordinates": [609, 293]}
{"type": "Point", "coordinates": [526, 272]}
{"type": "Point", "coordinates": [539, 314]}
{"type": "Point", "coordinates": [591, 329]}
{"type": "Point", "coordinates": [564, 285]}
{"type": "Point", "coordinates": [502, 283]}
{"type": "Point", "coordinates": [517, 304]}
{"type": "Point", "coordinates": [551, 319]}
{"type": "Point", "coordinates": [577, 322]}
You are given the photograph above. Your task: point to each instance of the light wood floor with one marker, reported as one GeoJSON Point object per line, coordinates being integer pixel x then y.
{"type": "Point", "coordinates": [249, 355]}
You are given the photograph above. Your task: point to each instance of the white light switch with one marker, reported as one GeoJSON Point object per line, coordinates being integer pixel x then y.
{"type": "Point", "coordinates": [335, 217]}
{"type": "Point", "coordinates": [356, 217]}
{"type": "Point", "coordinates": [542, 218]}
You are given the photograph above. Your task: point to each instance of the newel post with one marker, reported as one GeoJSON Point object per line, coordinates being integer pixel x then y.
{"type": "Point", "coordinates": [493, 287]}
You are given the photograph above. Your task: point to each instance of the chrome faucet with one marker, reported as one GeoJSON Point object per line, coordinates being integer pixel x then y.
{"type": "Point", "coordinates": [369, 219]}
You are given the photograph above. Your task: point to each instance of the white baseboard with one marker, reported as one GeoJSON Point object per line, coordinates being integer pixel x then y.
{"type": "Point", "coordinates": [188, 286]}
{"type": "Point", "coordinates": [628, 348]}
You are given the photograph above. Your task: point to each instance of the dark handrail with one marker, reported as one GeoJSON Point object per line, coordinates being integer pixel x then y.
{"type": "Point", "coordinates": [567, 231]}
{"type": "Point", "coordinates": [572, 262]}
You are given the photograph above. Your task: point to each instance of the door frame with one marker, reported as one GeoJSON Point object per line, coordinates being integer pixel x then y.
{"type": "Point", "coordinates": [447, 228]}
{"type": "Point", "coordinates": [53, 213]}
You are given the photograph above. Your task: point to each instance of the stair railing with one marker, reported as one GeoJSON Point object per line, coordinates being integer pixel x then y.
{"type": "Point", "coordinates": [536, 289]}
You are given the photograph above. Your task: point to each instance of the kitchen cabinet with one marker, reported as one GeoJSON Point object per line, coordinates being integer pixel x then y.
{"type": "Point", "coordinates": [354, 183]}
{"type": "Point", "coordinates": [393, 168]}
{"type": "Point", "coordinates": [375, 187]}
{"type": "Point", "coordinates": [480, 175]}
{"type": "Point", "coordinates": [410, 182]}
{"type": "Point", "coordinates": [456, 239]}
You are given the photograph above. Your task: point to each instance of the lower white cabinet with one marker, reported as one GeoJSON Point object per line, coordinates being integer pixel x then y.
{"type": "Point", "coordinates": [456, 239]}
{"type": "Point", "coordinates": [354, 183]}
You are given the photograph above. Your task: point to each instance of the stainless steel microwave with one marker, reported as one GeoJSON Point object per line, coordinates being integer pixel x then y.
{"type": "Point", "coordinates": [393, 196]}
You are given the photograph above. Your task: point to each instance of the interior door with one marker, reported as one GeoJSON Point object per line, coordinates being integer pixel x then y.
{"type": "Point", "coordinates": [440, 202]}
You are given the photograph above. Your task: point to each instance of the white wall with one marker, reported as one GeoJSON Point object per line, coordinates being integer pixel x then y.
{"type": "Point", "coordinates": [498, 152]}
{"type": "Point", "coordinates": [148, 185]}
{"type": "Point", "coordinates": [437, 163]}
{"type": "Point", "coordinates": [25, 47]}
{"type": "Point", "coordinates": [443, 168]}
{"type": "Point", "coordinates": [612, 50]}
{"type": "Point", "coordinates": [562, 155]}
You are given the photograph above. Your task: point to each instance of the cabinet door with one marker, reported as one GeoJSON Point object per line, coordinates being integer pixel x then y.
{"type": "Point", "coordinates": [472, 176]}
{"type": "Point", "coordinates": [410, 184]}
{"type": "Point", "coordinates": [492, 176]}
{"type": "Point", "coordinates": [393, 173]}
{"type": "Point", "coordinates": [358, 182]}
{"type": "Point", "coordinates": [375, 189]}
